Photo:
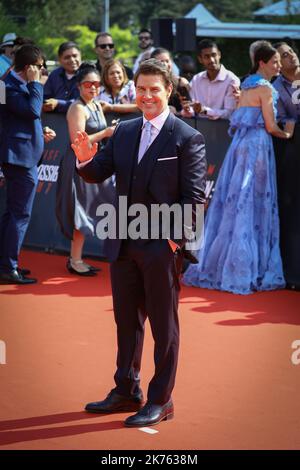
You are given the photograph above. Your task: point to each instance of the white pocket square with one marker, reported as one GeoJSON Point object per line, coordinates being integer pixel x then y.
{"type": "Point", "coordinates": [167, 158]}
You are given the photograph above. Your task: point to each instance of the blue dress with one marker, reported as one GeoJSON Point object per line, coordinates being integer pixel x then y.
{"type": "Point", "coordinates": [240, 253]}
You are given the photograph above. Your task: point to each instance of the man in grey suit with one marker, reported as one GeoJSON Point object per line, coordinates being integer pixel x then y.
{"type": "Point", "coordinates": [157, 159]}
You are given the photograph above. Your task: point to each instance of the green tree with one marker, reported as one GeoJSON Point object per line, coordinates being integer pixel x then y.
{"type": "Point", "coordinates": [84, 37]}
{"type": "Point", "coordinates": [226, 10]}
{"type": "Point", "coordinates": [48, 16]}
{"type": "Point", "coordinates": [7, 25]}
{"type": "Point", "coordinates": [126, 44]}
{"type": "Point", "coordinates": [122, 12]}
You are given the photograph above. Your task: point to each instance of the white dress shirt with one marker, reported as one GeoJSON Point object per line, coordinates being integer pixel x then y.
{"type": "Point", "coordinates": [157, 124]}
{"type": "Point", "coordinates": [216, 96]}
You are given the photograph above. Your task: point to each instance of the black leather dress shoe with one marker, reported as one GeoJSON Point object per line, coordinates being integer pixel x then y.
{"type": "Point", "coordinates": [150, 415]}
{"type": "Point", "coordinates": [115, 403]}
{"type": "Point", "coordinates": [14, 277]}
{"type": "Point", "coordinates": [292, 286]}
{"type": "Point", "coordinates": [24, 271]}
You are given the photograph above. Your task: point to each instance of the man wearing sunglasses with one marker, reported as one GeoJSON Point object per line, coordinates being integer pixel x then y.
{"type": "Point", "coordinates": [21, 148]}
{"type": "Point", "coordinates": [105, 50]}
{"type": "Point", "coordinates": [146, 46]}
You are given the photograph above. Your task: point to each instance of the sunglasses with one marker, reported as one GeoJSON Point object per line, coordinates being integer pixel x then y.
{"type": "Point", "coordinates": [104, 46]}
{"type": "Point", "coordinates": [90, 84]}
{"type": "Point", "coordinates": [39, 66]}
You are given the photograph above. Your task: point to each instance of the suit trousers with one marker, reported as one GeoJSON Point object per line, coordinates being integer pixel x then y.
{"type": "Point", "coordinates": [145, 283]}
{"type": "Point", "coordinates": [21, 186]}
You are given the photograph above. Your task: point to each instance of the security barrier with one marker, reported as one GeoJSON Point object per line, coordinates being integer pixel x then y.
{"type": "Point", "coordinates": [44, 232]}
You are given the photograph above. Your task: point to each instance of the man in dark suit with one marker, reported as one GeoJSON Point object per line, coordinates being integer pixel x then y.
{"type": "Point", "coordinates": [168, 169]}
{"type": "Point", "coordinates": [21, 147]}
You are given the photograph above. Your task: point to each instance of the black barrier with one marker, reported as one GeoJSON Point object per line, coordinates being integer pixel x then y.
{"type": "Point", "coordinates": [217, 142]}
{"type": "Point", "coordinates": [44, 232]}
{"type": "Point", "coordinates": [288, 180]}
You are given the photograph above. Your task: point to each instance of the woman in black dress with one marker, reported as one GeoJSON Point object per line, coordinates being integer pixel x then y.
{"type": "Point", "coordinates": [77, 201]}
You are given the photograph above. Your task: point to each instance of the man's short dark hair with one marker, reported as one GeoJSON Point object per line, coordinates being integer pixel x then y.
{"type": "Point", "coordinates": [154, 67]}
{"type": "Point", "coordinates": [102, 35]}
{"type": "Point", "coordinates": [286, 41]}
{"type": "Point", "coordinates": [65, 46]}
{"type": "Point", "coordinates": [206, 44]}
{"type": "Point", "coordinates": [28, 54]}
{"type": "Point", "coordinates": [159, 51]}
{"type": "Point", "coordinates": [145, 30]}
{"type": "Point", "coordinates": [277, 45]}
{"type": "Point", "coordinates": [21, 40]}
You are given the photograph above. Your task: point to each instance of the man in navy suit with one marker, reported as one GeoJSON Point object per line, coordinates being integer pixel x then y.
{"type": "Point", "coordinates": [169, 169]}
{"type": "Point", "coordinates": [21, 148]}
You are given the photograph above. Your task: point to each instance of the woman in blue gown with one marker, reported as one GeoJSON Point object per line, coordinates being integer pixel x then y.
{"type": "Point", "coordinates": [240, 253]}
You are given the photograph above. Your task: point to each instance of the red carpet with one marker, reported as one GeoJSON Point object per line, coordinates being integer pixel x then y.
{"type": "Point", "coordinates": [236, 385]}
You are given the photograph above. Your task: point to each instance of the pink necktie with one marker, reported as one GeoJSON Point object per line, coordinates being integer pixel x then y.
{"type": "Point", "coordinates": [145, 140]}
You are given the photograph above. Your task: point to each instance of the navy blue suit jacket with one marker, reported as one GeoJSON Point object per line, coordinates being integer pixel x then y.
{"type": "Point", "coordinates": [175, 171]}
{"type": "Point", "coordinates": [22, 140]}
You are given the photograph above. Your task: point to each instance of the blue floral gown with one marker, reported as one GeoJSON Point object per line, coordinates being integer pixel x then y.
{"type": "Point", "coordinates": [240, 253]}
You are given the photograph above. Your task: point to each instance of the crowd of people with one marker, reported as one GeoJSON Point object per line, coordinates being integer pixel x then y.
{"type": "Point", "coordinates": [153, 159]}
{"type": "Point", "coordinates": [86, 91]}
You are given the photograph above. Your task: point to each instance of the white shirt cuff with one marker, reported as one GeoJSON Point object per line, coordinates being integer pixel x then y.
{"type": "Point", "coordinates": [82, 164]}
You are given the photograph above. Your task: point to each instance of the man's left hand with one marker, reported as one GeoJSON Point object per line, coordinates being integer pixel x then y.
{"type": "Point", "coordinates": [49, 134]}
{"type": "Point", "coordinates": [236, 92]}
{"type": "Point", "coordinates": [197, 107]}
{"type": "Point", "coordinates": [50, 104]}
